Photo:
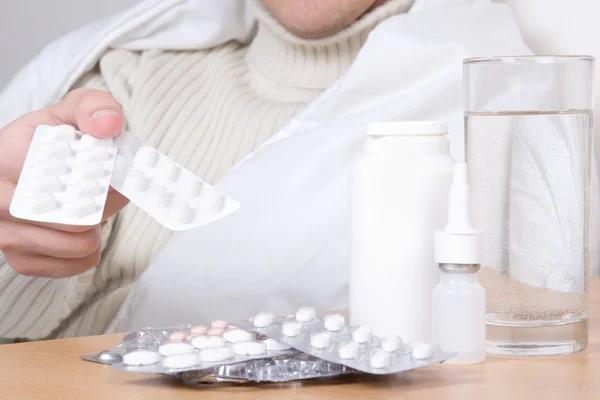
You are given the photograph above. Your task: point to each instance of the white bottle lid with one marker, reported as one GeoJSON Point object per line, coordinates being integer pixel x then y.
{"type": "Point", "coordinates": [459, 243]}
{"type": "Point", "coordinates": [407, 128]}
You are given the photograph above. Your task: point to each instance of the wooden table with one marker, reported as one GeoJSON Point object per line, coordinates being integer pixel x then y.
{"type": "Point", "coordinates": [53, 370]}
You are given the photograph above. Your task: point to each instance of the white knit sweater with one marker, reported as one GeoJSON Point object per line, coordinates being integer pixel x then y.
{"type": "Point", "coordinates": [205, 109]}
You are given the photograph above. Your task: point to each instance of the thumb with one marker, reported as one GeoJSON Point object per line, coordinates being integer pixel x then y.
{"type": "Point", "coordinates": [94, 112]}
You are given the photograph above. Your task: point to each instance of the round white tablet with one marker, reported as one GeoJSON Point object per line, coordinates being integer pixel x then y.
{"type": "Point", "coordinates": [274, 345]}
{"type": "Point", "coordinates": [48, 184]}
{"type": "Point", "coordinates": [49, 166]}
{"type": "Point", "coordinates": [291, 328]}
{"type": "Point", "coordinates": [263, 319]}
{"type": "Point", "coordinates": [168, 349]}
{"type": "Point", "coordinates": [91, 154]}
{"type": "Point", "coordinates": [211, 200]}
{"type": "Point", "coordinates": [146, 157]}
{"type": "Point", "coordinates": [204, 342]}
{"type": "Point", "coordinates": [40, 203]}
{"type": "Point", "coordinates": [380, 359]}
{"type": "Point", "coordinates": [181, 212]}
{"type": "Point", "coordinates": [93, 170]}
{"type": "Point", "coordinates": [250, 348]}
{"type": "Point", "coordinates": [141, 357]}
{"type": "Point", "coordinates": [238, 335]}
{"type": "Point", "coordinates": [136, 181]}
{"type": "Point", "coordinates": [348, 351]}
{"type": "Point", "coordinates": [362, 334]}
{"type": "Point", "coordinates": [422, 351]}
{"type": "Point", "coordinates": [88, 141]}
{"type": "Point", "coordinates": [167, 172]}
{"type": "Point", "coordinates": [320, 340]}
{"type": "Point", "coordinates": [54, 149]}
{"type": "Point", "coordinates": [391, 343]}
{"type": "Point", "coordinates": [189, 186]}
{"type": "Point", "coordinates": [80, 207]}
{"type": "Point", "coordinates": [334, 322]}
{"type": "Point", "coordinates": [177, 361]}
{"type": "Point", "coordinates": [62, 133]}
{"type": "Point", "coordinates": [306, 314]}
{"type": "Point", "coordinates": [85, 187]}
{"type": "Point", "coordinates": [215, 354]}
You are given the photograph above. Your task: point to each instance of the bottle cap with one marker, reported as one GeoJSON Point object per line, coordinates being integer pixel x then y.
{"type": "Point", "coordinates": [408, 128]}
{"type": "Point", "coordinates": [459, 243]}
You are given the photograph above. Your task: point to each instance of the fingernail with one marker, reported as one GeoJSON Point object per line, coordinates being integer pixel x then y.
{"type": "Point", "coordinates": [102, 113]}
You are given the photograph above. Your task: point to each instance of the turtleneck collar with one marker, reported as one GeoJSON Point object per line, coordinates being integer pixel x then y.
{"type": "Point", "coordinates": [285, 62]}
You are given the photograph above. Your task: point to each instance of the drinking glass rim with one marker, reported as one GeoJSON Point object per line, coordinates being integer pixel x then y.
{"type": "Point", "coordinates": [529, 59]}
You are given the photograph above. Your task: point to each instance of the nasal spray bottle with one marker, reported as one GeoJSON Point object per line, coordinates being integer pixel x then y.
{"type": "Point", "coordinates": [459, 299]}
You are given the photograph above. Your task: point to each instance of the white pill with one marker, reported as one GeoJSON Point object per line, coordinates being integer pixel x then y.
{"type": "Point", "coordinates": [189, 186]}
{"type": "Point", "coordinates": [380, 359]}
{"type": "Point", "coordinates": [88, 141]}
{"type": "Point", "coordinates": [238, 335]}
{"type": "Point", "coordinates": [167, 172]}
{"type": "Point", "coordinates": [80, 207]}
{"type": "Point", "coordinates": [177, 361]}
{"type": "Point", "coordinates": [136, 181]}
{"type": "Point", "coordinates": [168, 349]}
{"type": "Point", "coordinates": [274, 345]}
{"type": "Point", "coordinates": [91, 154]}
{"type": "Point", "coordinates": [263, 319]}
{"type": "Point", "coordinates": [54, 149]}
{"type": "Point", "coordinates": [334, 322]}
{"type": "Point", "coordinates": [215, 354]}
{"type": "Point", "coordinates": [320, 340]}
{"type": "Point", "coordinates": [40, 203]}
{"type": "Point", "coordinates": [348, 351]}
{"type": "Point", "coordinates": [211, 200]}
{"type": "Point", "coordinates": [250, 348]}
{"type": "Point", "coordinates": [362, 334]}
{"type": "Point", "coordinates": [146, 157]}
{"type": "Point", "coordinates": [86, 187]}
{"type": "Point", "coordinates": [306, 314]}
{"type": "Point", "coordinates": [181, 212]}
{"type": "Point", "coordinates": [50, 166]}
{"type": "Point", "coordinates": [204, 342]}
{"type": "Point", "coordinates": [61, 133]}
{"type": "Point", "coordinates": [141, 357]}
{"type": "Point", "coordinates": [93, 170]}
{"type": "Point", "coordinates": [157, 196]}
{"type": "Point", "coordinates": [291, 328]}
{"type": "Point", "coordinates": [391, 343]}
{"type": "Point", "coordinates": [49, 184]}
{"type": "Point", "coordinates": [421, 351]}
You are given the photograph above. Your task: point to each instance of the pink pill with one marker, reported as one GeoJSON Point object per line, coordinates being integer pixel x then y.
{"type": "Point", "coordinates": [178, 336]}
{"type": "Point", "coordinates": [219, 324]}
{"type": "Point", "coordinates": [201, 329]}
{"type": "Point", "coordinates": [215, 332]}
{"type": "Point", "coordinates": [193, 335]}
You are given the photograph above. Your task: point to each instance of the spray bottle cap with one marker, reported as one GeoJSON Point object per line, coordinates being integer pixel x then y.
{"type": "Point", "coordinates": [459, 243]}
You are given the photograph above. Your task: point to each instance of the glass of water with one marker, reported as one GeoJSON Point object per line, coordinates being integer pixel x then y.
{"type": "Point", "coordinates": [529, 131]}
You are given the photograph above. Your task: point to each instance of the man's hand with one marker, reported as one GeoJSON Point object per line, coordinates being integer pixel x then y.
{"type": "Point", "coordinates": [44, 249]}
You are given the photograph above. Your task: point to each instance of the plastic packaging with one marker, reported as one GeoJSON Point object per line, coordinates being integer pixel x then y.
{"type": "Point", "coordinates": [172, 195]}
{"type": "Point", "coordinates": [398, 197]}
{"type": "Point", "coordinates": [459, 299]}
{"type": "Point", "coordinates": [332, 340]}
{"type": "Point", "coordinates": [65, 177]}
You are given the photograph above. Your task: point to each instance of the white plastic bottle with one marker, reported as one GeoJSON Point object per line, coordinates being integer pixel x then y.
{"type": "Point", "coordinates": [398, 197]}
{"type": "Point", "coordinates": [459, 299]}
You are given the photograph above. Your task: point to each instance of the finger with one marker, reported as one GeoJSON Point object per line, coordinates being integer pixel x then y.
{"type": "Point", "coordinates": [50, 267]}
{"type": "Point", "coordinates": [115, 202]}
{"type": "Point", "coordinates": [94, 112]}
{"type": "Point", "coordinates": [28, 238]}
{"type": "Point", "coordinates": [7, 190]}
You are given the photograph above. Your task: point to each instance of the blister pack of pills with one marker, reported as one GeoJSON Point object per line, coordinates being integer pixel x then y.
{"type": "Point", "coordinates": [65, 177]}
{"type": "Point", "coordinates": [194, 348]}
{"type": "Point", "coordinates": [172, 195]}
{"type": "Point", "coordinates": [331, 339]}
